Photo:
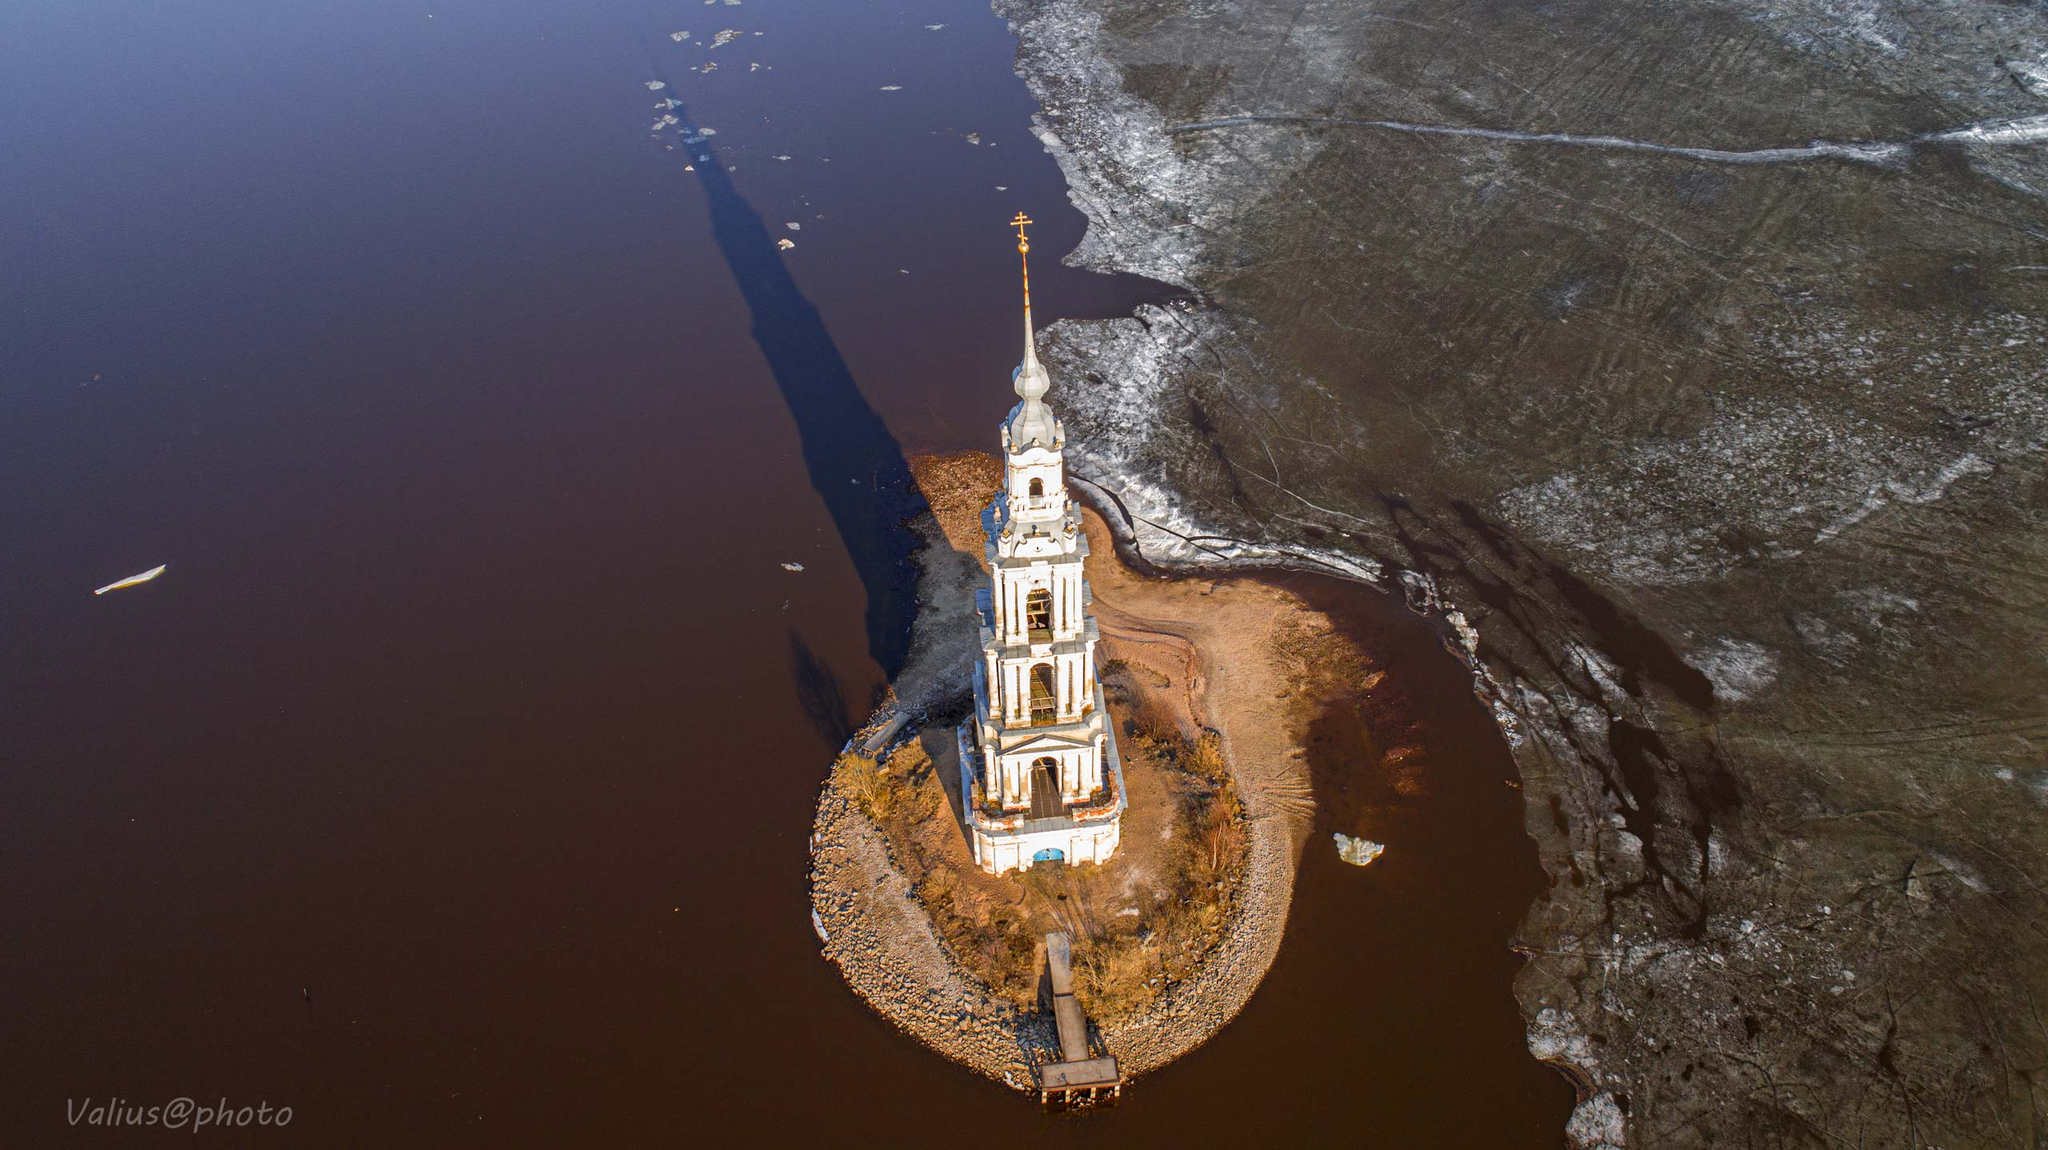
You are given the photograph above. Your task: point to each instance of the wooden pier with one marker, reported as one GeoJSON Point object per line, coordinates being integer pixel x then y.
{"type": "Point", "coordinates": [1076, 1077]}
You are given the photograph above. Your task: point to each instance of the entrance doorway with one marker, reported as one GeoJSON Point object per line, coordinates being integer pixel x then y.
{"type": "Point", "coordinates": [1046, 800]}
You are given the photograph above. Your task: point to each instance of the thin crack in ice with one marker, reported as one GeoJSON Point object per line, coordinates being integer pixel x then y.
{"type": "Point", "coordinates": [1991, 133]}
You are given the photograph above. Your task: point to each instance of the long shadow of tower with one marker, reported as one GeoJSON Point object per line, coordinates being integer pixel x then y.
{"type": "Point", "coordinates": [855, 464]}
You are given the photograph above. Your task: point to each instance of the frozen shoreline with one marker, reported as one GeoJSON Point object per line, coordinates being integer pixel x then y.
{"type": "Point", "coordinates": [1659, 698]}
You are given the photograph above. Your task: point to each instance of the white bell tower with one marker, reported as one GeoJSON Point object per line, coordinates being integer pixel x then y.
{"type": "Point", "coordinates": [1039, 769]}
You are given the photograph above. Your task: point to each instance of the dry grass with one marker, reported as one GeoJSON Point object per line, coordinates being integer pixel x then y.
{"type": "Point", "coordinates": [1122, 969]}
{"type": "Point", "coordinates": [901, 795]}
{"type": "Point", "coordinates": [1122, 965]}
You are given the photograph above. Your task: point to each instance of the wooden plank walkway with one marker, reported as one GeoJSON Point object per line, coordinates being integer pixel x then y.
{"type": "Point", "coordinates": [1076, 1075]}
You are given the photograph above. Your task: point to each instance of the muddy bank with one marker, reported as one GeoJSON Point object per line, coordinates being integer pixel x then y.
{"type": "Point", "coordinates": [1721, 451]}
{"type": "Point", "coordinates": [1225, 655]}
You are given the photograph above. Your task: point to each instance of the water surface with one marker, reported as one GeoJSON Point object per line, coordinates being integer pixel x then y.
{"type": "Point", "coordinates": [452, 787]}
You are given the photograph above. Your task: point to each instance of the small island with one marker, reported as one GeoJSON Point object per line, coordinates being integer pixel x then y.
{"type": "Point", "coordinates": [1074, 751]}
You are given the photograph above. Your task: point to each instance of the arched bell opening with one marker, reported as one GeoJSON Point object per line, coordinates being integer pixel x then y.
{"type": "Point", "coordinates": [1045, 703]}
{"type": "Point", "coordinates": [1038, 615]}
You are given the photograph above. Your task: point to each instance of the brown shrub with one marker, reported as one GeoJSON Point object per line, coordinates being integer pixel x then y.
{"type": "Point", "coordinates": [1113, 978]}
{"type": "Point", "coordinates": [1206, 758]}
{"type": "Point", "coordinates": [866, 782]}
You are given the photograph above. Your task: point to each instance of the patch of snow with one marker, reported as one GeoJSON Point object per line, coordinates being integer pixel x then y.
{"type": "Point", "coordinates": [1596, 1124]}
{"type": "Point", "coordinates": [2031, 75]}
{"type": "Point", "coordinates": [1963, 873]}
{"type": "Point", "coordinates": [1556, 1036]}
{"type": "Point", "coordinates": [1738, 670]}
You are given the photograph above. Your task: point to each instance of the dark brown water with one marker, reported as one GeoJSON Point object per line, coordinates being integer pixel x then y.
{"type": "Point", "coordinates": [453, 785]}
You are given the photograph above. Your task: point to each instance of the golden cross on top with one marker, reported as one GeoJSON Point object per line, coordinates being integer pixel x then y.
{"type": "Point", "coordinates": [1023, 241]}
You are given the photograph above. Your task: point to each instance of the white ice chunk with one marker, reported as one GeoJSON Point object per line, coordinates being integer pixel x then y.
{"type": "Point", "coordinates": [1358, 851]}
{"type": "Point", "coordinates": [132, 580]}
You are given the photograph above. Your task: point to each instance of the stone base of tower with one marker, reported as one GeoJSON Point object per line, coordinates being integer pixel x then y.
{"type": "Point", "coordinates": [1001, 844]}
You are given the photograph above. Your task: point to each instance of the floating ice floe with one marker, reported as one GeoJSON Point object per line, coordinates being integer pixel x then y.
{"type": "Point", "coordinates": [792, 566]}
{"type": "Point", "coordinates": [933, 27]}
{"type": "Point", "coordinates": [655, 85]}
{"type": "Point", "coordinates": [785, 159]}
{"type": "Point", "coordinates": [725, 36]}
{"type": "Point", "coordinates": [973, 137]}
{"type": "Point", "coordinates": [892, 87]}
{"type": "Point", "coordinates": [751, 67]}
{"type": "Point", "coordinates": [785, 244]}
{"type": "Point", "coordinates": [679, 37]}
{"type": "Point", "coordinates": [818, 924]}
{"type": "Point", "coordinates": [794, 226]}
{"type": "Point", "coordinates": [1358, 851]}
{"type": "Point", "coordinates": [1002, 187]}
{"type": "Point", "coordinates": [132, 580]}
{"type": "Point", "coordinates": [709, 67]}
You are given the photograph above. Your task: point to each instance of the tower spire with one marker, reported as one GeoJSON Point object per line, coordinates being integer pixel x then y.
{"type": "Point", "coordinates": [1024, 258]}
{"type": "Point", "coordinates": [1031, 421]}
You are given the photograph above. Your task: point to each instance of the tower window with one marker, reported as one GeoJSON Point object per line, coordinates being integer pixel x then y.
{"type": "Point", "coordinates": [1044, 704]}
{"type": "Point", "coordinates": [1038, 614]}
{"type": "Point", "coordinates": [1037, 488]}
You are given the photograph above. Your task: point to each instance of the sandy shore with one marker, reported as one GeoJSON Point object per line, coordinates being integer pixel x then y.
{"type": "Point", "coordinates": [1219, 652]}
